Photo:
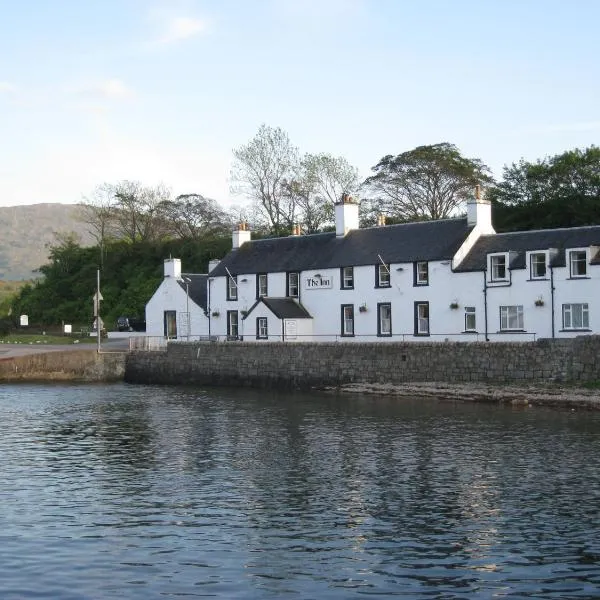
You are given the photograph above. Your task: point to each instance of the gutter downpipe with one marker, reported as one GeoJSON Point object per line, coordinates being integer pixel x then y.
{"type": "Point", "coordinates": [485, 305]}
{"type": "Point", "coordinates": [552, 298]}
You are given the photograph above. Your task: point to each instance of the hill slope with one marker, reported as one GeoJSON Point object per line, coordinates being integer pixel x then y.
{"type": "Point", "coordinates": [27, 231]}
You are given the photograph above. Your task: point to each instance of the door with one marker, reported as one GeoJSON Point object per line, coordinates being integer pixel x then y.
{"type": "Point", "coordinates": [170, 321]}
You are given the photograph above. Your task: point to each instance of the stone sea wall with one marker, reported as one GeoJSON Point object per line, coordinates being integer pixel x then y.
{"type": "Point", "coordinates": [310, 365]}
{"type": "Point", "coordinates": [71, 365]}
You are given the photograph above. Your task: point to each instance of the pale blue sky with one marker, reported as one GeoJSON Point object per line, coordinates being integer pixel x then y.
{"type": "Point", "coordinates": [95, 91]}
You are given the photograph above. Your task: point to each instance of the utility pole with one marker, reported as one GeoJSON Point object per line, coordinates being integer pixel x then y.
{"type": "Point", "coordinates": [97, 299]}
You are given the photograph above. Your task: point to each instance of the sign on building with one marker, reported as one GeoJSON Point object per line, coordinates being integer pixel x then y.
{"type": "Point", "coordinates": [318, 283]}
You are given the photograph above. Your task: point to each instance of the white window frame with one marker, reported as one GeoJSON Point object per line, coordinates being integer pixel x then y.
{"type": "Point", "coordinates": [347, 278]}
{"type": "Point", "coordinates": [233, 324]}
{"type": "Point", "coordinates": [509, 314]}
{"type": "Point", "coordinates": [421, 318]}
{"type": "Point", "coordinates": [569, 312]}
{"type": "Point", "coordinates": [293, 285]}
{"type": "Point", "coordinates": [495, 262]}
{"type": "Point", "coordinates": [574, 261]}
{"type": "Point", "coordinates": [384, 319]}
{"type": "Point", "coordinates": [384, 279]}
{"type": "Point", "coordinates": [232, 290]}
{"type": "Point", "coordinates": [470, 314]}
{"type": "Point", "coordinates": [263, 285]}
{"type": "Point", "coordinates": [347, 320]}
{"type": "Point", "coordinates": [422, 274]}
{"type": "Point", "coordinates": [262, 328]}
{"type": "Point", "coordinates": [535, 262]}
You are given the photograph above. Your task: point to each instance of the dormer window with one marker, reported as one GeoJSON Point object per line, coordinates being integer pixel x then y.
{"type": "Point", "coordinates": [537, 264]}
{"type": "Point", "coordinates": [578, 263]}
{"type": "Point", "coordinates": [498, 267]}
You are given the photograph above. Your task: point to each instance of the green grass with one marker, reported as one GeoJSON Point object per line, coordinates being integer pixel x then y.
{"type": "Point", "coordinates": [39, 340]}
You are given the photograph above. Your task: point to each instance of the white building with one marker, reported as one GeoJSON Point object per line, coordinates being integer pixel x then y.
{"type": "Point", "coordinates": [178, 308]}
{"type": "Point", "coordinates": [452, 279]}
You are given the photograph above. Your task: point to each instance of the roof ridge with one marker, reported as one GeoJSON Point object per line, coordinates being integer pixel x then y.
{"type": "Point", "coordinates": [579, 228]}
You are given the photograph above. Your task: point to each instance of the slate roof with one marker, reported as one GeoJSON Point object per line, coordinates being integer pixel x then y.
{"type": "Point", "coordinates": [283, 308]}
{"type": "Point", "coordinates": [406, 242]}
{"type": "Point", "coordinates": [520, 242]}
{"type": "Point", "coordinates": [196, 286]}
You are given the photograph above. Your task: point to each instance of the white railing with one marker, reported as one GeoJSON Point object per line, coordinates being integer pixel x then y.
{"type": "Point", "coordinates": [159, 343]}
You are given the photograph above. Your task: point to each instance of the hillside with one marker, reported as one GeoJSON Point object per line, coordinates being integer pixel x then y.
{"type": "Point", "coordinates": [27, 231]}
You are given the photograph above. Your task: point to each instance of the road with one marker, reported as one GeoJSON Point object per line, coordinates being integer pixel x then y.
{"type": "Point", "coordinates": [11, 350]}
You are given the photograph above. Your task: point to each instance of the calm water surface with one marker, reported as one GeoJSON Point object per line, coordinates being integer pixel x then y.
{"type": "Point", "coordinates": [149, 492]}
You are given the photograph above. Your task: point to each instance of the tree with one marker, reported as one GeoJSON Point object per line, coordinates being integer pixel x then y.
{"type": "Point", "coordinates": [192, 215]}
{"type": "Point", "coordinates": [321, 181]}
{"type": "Point", "coordinates": [137, 212]}
{"type": "Point", "coordinates": [558, 191]}
{"type": "Point", "coordinates": [261, 170]}
{"type": "Point", "coordinates": [98, 212]}
{"type": "Point", "coordinates": [429, 182]}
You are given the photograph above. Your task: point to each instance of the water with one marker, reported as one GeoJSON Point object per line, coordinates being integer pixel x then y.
{"type": "Point", "coordinates": [150, 492]}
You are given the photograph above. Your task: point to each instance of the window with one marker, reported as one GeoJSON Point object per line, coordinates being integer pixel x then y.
{"type": "Point", "coordinates": [470, 321]}
{"type": "Point", "coordinates": [292, 284]}
{"type": "Point", "coordinates": [498, 267]}
{"type": "Point", "coordinates": [232, 287]}
{"type": "Point", "coordinates": [347, 278]}
{"type": "Point", "coordinates": [578, 263]}
{"type": "Point", "coordinates": [232, 324]}
{"type": "Point", "coordinates": [384, 319]}
{"type": "Point", "coordinates": [575, 316]}
{"type": "Point", "coordinates": [421, 318]}
{"type": "Point", "coordinates": [261, 285]}
{"type": "Point", "coordinates": [511, 318]}
{"type": "Point", "coordinates": [537, 263]}
{"type": "Point", "coordinates": [347, 319]}
{"type": "Point", "coordinates": [382, 275]}
{"type": "Point", "coordinates": [262, 331]}
{"type": "Point", "coordinates": [421, 273]}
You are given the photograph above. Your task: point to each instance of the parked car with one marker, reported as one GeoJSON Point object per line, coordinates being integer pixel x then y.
{"type": "Point", "coordinates": [131, 324]}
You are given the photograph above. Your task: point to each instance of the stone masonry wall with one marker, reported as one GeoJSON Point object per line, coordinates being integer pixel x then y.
{"type": "Point", "coordinates": [70, 365]}
{"type": "Point", "coordinates": [310, 365]}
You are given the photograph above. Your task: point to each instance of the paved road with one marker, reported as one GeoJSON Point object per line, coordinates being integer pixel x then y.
{"type": "Point", "coordinates": [10, 350]}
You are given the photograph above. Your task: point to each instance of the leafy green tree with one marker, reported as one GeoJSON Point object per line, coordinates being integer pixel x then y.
{"type": "Point", "coordinates": [190, 216]}
{"type": "Point", "coordinates": [558, 191]}
{"type": "Point", "coordinates": [429, 182]}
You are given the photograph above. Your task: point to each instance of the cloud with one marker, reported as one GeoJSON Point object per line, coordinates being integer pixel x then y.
{"type": "Point", "coordinates": [7, 87]}
{"type": "Point", "coordinates": [109, 89]}
{"type": "Point", "coordinates": [181, 28]}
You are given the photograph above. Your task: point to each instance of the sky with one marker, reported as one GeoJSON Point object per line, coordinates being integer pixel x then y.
{"type": "Point", "coordinates": [162, 91]}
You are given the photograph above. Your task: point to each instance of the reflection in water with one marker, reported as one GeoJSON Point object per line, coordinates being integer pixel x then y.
{"type": "Point", "coordinates": [137, 492]}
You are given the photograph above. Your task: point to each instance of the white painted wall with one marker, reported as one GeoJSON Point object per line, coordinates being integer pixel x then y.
{"type": "Point", "coordinates": [170, 296]}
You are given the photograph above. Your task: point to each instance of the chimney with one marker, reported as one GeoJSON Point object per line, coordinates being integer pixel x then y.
{"type": "Point", "coordinates": [479, 212]}
{"type": "Point", "coordinates": [172, 268]}
{"type": "Point", "coordinates": [346, 215]}
{"type": "Point", "coordinates": [212, 264]}
{"type": "Point", "coordinates": [241, 235]}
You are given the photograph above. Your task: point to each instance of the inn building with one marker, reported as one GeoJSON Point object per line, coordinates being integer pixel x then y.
{"type": "Point", "coordinates": [452, 279]}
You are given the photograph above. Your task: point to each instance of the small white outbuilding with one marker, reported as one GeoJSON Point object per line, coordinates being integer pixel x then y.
{"type": "Point", "coordinates": [178, 308]}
